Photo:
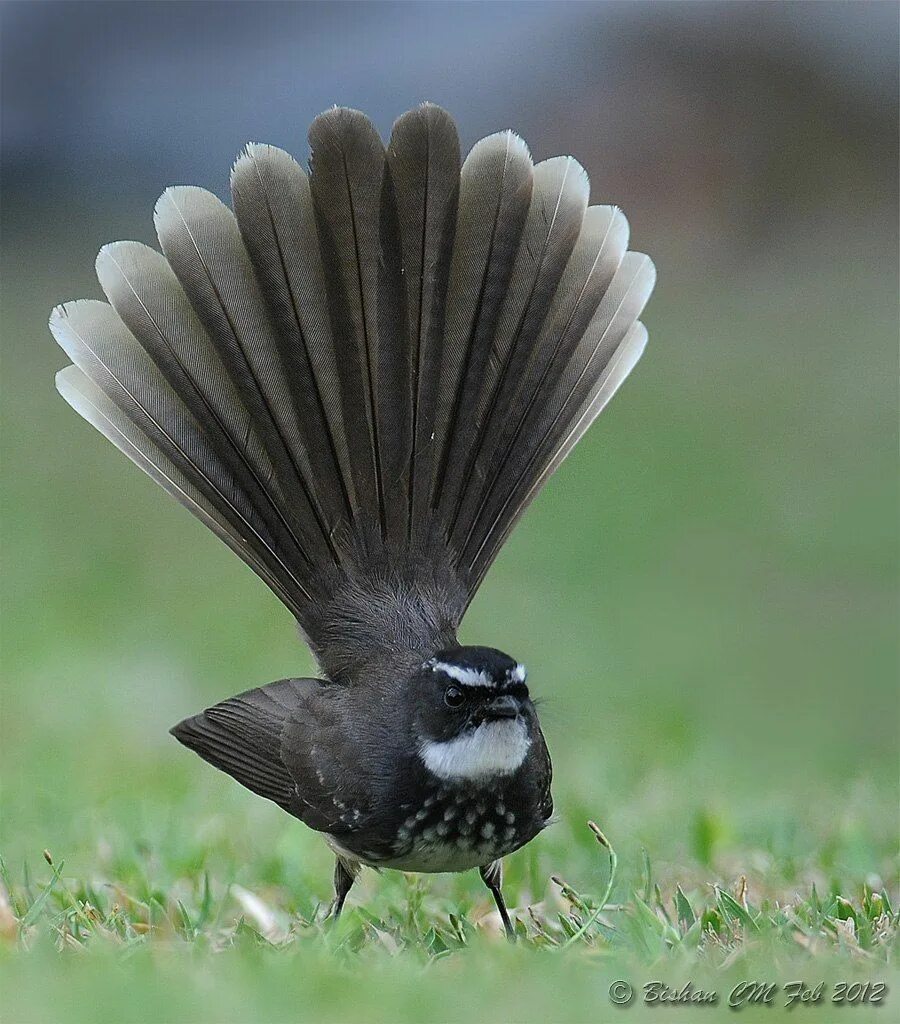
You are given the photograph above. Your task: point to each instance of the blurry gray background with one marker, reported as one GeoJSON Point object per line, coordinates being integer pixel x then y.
{"type": "Point", "coordinates": [732, 121]}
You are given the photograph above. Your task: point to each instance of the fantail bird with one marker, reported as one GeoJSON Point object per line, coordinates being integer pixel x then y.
{"type": "Point", "coordinates": [359, 380]}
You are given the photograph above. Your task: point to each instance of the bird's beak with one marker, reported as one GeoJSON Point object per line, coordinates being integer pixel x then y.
{"type": "Point", "coordinates": [505, 706]}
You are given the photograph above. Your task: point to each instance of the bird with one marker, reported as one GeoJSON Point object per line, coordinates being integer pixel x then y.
{"type": "Point", "coordinates": [359, 377]}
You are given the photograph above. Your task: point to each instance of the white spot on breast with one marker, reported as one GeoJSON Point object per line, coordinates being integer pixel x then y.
{"type": "Point", "coordinates": [492, 749]}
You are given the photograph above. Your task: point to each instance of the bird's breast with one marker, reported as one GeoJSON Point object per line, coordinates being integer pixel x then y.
{"type": "Point", "coordinates": [455, 828]}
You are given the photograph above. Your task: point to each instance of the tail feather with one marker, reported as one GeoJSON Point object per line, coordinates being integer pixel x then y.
{"type": "Point", "coordinates": [533, 371]}
{"type": "Point", "coordinates": [550, 411]}
{"type": "Point", "coordinates": [544, 464]}
{"type": "Point", "coordinates": [424, 160]}
{"type": "Point", "coordinates": [200, 238]}
{"type": "Point", "coordinates": [156, 432]}
{"type": "Point", "coordinates": [359, 236]}
{"type": "Point", "coordinates": [552, 228]}
{"type": "Point", "coordinates": [145, 293]}
{"type": "Point", "coordinates": [274, 209]}
{"type": "Point", "coordinates": [361, 378]}
{"type": "Point", "coordinates": [496, 185]}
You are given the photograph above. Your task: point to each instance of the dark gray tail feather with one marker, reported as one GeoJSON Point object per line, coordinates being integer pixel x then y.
{"type": "Point", "coordinates": [361, 378]}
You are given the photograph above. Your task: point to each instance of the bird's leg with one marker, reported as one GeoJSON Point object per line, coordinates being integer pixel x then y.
{"type": "Point", "coordinates": [345, 873]}
{"type": "Point", "coordinates": [492, 876]}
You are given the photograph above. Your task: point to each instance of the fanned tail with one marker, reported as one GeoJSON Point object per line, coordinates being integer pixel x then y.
{"type": "Point", "coordinates": [361, 378]}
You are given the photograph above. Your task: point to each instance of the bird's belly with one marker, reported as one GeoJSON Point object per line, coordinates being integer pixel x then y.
{"type": "Point", "coordinates": [435, 857]}
{"type": "Point", "coordinates": [453, 830]}
{"type": "Point", "coordinates": [458, 852]}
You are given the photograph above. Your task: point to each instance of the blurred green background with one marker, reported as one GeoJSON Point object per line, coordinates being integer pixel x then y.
{"type": "Point", "coordinates": [705, 595]}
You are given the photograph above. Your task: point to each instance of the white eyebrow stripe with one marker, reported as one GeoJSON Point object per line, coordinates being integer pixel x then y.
{"type": "Point", "coordinates": [465, 676]}
{"type": "Point", "coordinates": [519, 674]}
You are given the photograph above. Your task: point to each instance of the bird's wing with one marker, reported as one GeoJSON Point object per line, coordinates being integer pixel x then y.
{"type": "Point", "coordinates": [280, 741]}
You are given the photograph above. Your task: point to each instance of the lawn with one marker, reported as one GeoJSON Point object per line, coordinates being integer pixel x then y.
{"type": "Point", "coordinates": [705, 598]}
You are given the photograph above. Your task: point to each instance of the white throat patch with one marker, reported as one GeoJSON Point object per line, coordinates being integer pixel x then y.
{"type": "Point", "coordinates": [493, 748]}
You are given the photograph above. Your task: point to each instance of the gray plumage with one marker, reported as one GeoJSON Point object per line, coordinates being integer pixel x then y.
{"type": "Point", "coordinates": [91, 402]}
{"type": "Point", "coordinates": [424, 160]}
{"type": "Point", "coordinates": [143, 290]}
{"type": "Point", "coordinates": [554, 221]}
{"type": "Point", "coordinates": [360, 243]}
{"type": "Point", "coordinates": [361, 377]}
{"type": "Point", "coordinates": [274, 209]}
{"type": "Point", "coordinates": [546, 417]}
{"type": "Point", "coordinates": [496, 185]}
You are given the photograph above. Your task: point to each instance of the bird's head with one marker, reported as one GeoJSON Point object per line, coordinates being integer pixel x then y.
{"type": "Point", "coordinates": [474, 718]}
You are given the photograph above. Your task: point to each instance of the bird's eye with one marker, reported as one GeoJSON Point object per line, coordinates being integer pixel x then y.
{"type": "Point", "coordinates": [453, 697]}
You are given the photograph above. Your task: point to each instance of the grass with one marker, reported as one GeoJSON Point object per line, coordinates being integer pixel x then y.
{"type": "Point", "coordinates": [705, 597]}
{"type": "Point", "coordinates": [204, 939]}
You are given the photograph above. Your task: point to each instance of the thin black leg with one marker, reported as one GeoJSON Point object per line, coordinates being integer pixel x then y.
{"type": "Point", "coordinates": [492, 876]}
{"type": "Point", "coordinates": [344, 877]}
